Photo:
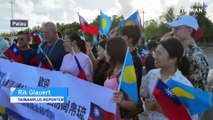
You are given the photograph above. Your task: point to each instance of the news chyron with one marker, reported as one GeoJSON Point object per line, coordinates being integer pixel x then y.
{"type": "Point", "coordinates": [38, 95]}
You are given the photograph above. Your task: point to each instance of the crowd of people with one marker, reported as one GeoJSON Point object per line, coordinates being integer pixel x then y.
{"type": "Point", "coordinates": [175, 56]}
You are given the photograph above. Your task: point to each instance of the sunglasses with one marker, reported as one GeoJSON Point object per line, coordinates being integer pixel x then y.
{"type": "Point", "coordinates": [22, 39]}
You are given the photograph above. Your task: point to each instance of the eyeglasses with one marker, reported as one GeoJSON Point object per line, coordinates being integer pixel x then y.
{"type": "Point", "coordinates": [178, 28]}
{"type": "Point", "coordinates": [22, 39]}
{"type": "Point", "coordinates": [45, 32]}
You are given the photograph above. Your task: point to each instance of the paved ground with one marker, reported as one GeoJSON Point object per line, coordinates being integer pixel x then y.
{"type": "Point", "coordinates": [209, 55]}
{"type": "Point", "coordinates": [208, 115]}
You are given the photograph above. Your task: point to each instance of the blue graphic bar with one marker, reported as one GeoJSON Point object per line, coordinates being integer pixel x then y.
{"type": "Point", "coordinates": [47, 92]}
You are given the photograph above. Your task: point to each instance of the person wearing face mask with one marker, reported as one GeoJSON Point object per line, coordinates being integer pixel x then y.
{"type": "Point", "coordinates": [76, 48]}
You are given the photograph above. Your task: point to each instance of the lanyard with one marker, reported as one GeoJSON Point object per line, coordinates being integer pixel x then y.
{"type": "Point", "coordinates": [51, 48]}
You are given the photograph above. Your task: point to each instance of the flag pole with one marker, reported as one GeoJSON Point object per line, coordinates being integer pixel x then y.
{"type": "Point", "coordinates": [122, 71]}
{"type": "Point", "coordinates": [81, 30]}
{"type": "Point", "coordinates": [83, 35]}
{"type": "Point", "coordinates": [48, 59]}
{"type": "Point", "coordinates": [73, 51]}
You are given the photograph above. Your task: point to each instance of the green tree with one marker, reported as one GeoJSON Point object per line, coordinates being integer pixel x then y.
{"type": "Point", "coordinates": [168, 16]}
{"type": "Point", "coordinates": [204, 23]}
{"type": "Point", "coordinates": [151, 30]}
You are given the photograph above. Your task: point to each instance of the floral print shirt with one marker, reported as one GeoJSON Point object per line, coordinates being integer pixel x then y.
{"type": "Point", "coordinates": [199, 67]}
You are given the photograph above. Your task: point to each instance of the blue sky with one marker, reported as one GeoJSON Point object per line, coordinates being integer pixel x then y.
{"type": "Point", "coordinates": [65, 11]}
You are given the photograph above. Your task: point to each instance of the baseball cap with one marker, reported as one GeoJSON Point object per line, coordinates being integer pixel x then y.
{"type": "Point", "coordinates": [185, 20]}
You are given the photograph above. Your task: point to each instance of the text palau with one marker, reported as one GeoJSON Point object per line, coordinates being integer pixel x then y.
{"type": "Point", "coordinates": [19, 23]}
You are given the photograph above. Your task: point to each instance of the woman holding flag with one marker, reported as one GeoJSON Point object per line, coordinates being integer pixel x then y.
{"type": "Point", "coordinates": [168, 59]}
{"type": "Point", "coordinates": [115, 57]}
{"type": "Point", "coordinates": [76, 62]}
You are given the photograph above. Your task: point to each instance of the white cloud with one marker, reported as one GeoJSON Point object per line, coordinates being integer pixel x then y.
{"type": "Point", "coordinates": [24, 6]}
{"type": "Point", "coordinates": [65, 11]}
{"type": "Point", "coordinates": [126, 7]}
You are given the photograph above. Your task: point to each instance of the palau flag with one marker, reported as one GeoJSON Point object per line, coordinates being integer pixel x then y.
{"type": "Point", "coordinates": [134, 19]}
{"type": "Point", "coordinates": [196, 100]}
{"type": "Point", "coordinates": [169, 102]}
{"type": "Point", "coordinates": [13, 53]}
{"type": "Point", "coordinates": [81, 73]}
{"type": "Point", "coordinates": [98, 113]}
{"type": "Point", "coordinates": [105, 24]}
{"type": "Point", "coordinates": [128, 82]}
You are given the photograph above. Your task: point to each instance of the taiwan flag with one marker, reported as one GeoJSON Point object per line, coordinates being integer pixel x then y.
{"type": "Point", "coordinates": [45, 62]}
{"type": "Point", "coordinates": [36, 37]}
{"type": "Point", "coordinates": [169, 102]}
{"type": "Point", "coordinates": [81, 73]}
{"type": "Point", "coordinates": [198, 34]}
{"type": "Point", "coordinates": [34, 60]}
{"type": "Point", "coordinates": [143, 55]}
{"type": "Point", "coordinates": [98, 113]}
{"type": "Point", "coordinates": [13, 53]}
{"type": "Point", "coordinates": [85, 27]}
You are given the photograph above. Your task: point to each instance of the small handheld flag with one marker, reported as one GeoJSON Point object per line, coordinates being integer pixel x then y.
{"type": "Point", "coordinates": [45, 61]}
{"type": "Point", "coordinates": [196, 100]}
{"type": "Point", "coordinates": [128, 81]}
{"type": "Point", "coordinates": [98, 113]}
{"type": "Point", "coordinates": [13, 53]}
{"type": "Point", "coordinates": [105, 24]}
{"type": "Point", "coordinates": [169, 102]}
{"type": "Point", "coordinates": [81, 73]}
{"type": "Point", "coordinates": [36, 37]}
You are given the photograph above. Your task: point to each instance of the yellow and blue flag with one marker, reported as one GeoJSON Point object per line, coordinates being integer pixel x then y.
{"type": "Point", "coordinates": [128, 81]}
{"type": "Point", "coordinates": [133, 19]}
{"type": "Point", "coordinates": [105, 24]}
{"type": "Point", "coordinates": [196, 100]}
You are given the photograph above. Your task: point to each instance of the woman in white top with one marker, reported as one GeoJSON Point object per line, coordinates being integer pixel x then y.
{"type": "Point", "coordinates": [168, 59]}
{"type": "Point", "coordinates": [76, 47]}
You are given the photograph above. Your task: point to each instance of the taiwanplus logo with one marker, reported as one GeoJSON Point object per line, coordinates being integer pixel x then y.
{"type": "Point", "coordinates": [38, 95]}
{"type": "Point", "coordinates": [194, 10]}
